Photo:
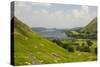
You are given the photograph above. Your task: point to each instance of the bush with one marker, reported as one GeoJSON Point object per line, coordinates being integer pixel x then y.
{"type": "Point", "coordinates": [76, 44]}
{"type": "Point", "coordinates": [83, 48]}
{"type": "Point", "coordinates": [69, 47]}
{"type": "Point", "coordinates": [83, 44]}
{"type": "Point", "coordinates": [86, 49]}
{"type": "Point", "coordinates": [89, 43]}
{"type": "Point", "coordinates": [65, 46]}
{"type": "Point", "coordinates": [58, 42]}
{"type": "Point", "coordinates": [78, 48]}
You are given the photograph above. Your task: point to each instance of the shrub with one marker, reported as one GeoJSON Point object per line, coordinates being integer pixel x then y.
{"type": "Point", "coordinates": [69, 47]}
{"type": "Point", "coordinates": [57, 41]}
{"type": "Point", "coordinates": [83, 44]}
{"type": "Point", "coordinates": [83, 48]}
{"type": "Point", "coordinates": [86, 49]}
{"type": "Point", "coordinates": [89, 43]}
{"type": "Point", "coordinates": [78, 48]}
{"type": "Point", "coordinates": [76, 44]}
{"type": "Point", "coordinates": [65, 46]}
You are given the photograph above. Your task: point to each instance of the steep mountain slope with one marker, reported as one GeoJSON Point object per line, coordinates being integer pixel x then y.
{"type": "Point", "coordinates": [31, 48]}
{"type": "Point", "coordinates": [91, 27]}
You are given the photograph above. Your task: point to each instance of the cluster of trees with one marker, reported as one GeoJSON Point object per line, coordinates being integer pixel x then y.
{"type": "Point", "coordinates": [84, 35]}
{"type": "Point", "coordinates": [69, 47]}
{"type": "Point", "coordinates": [87, 47]}
{"type": "Point", "coordinates": [72, 47]}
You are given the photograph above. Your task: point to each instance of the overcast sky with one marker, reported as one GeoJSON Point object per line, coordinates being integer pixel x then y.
{"type": "Point", "coordinates": [52, 15]}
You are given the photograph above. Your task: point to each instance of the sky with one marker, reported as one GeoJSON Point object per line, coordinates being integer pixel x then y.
{"type": "Point", "coordinates": [53, 15]}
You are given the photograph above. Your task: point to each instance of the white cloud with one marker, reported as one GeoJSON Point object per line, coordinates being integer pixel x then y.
{"type": "Point", "coordinates": [76, 13]}
{"type": "Point", "coordinates": [42, 4]}
{"type": "Point", "coordinates": [44, 11]}
{"type": "Point", "coordinates": [47, 4]}
{"type": "Point", "coordinates": [59, 19]}
{"type": "Point", "coordinates": [83, 12]}
{"type": "Point", "coordinates": [83, 15]}
{"type": "Point", "coordinates": [85, 8]}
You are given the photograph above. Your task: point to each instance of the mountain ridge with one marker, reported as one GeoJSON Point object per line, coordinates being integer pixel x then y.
{"type": "Point", "coordinates": [91, 27]}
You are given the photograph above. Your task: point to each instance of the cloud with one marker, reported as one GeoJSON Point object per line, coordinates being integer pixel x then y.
{"type": "Point", "coordinates": [42, 4]}
{"type": "Point", "coordinates": [29, 4]}
{"type": "Point", "coordinates": [83, 12]}
{"type": "Point", "coordinates": [37, 15]}
{"type": "Point", "coordinates": [44, 11]}
{"type": "Point", "coordinates": [83, 15]}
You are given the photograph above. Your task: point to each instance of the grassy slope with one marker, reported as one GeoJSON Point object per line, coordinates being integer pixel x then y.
{"type": "Point", "coordinates": [31, 48]}
{"type": "Point", "coordinates": [91, 27]}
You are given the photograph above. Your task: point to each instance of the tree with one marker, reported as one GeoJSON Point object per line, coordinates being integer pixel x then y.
{"type": "Point", "coordinates": [89, 43]}
{"type": "Point", "coordinates": [83, 48]}
{"type": "Point", "coordinates": [86, 49]}
{"type": "Point", "coordinates": [78, 48]}
{"type": "Point", "coordinates": [57, 42]}
{"type": "Point", "coordinates": [69, 47]}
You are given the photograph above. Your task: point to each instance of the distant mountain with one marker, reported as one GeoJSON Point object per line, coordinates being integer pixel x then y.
{"type": "Point", "coordinates": [75, 29]}
{"type": "Point", "coordinates": [31, 48]}
{"type": "Point", "coordinates": [51, 33]}
{"type": "Point", "coordinates": [36, 29]}
{"type": "Point", "coordinates": [91, 27]}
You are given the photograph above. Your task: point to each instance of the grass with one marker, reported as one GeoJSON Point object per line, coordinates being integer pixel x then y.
{"type": "Point", "coordinates": [91, 27]}
{"type": "Point", "coordinates": [31, 48]}
{"type": "Point", "coordinates": [81, 56]}
{"type": "Point", "coordinates": [40, 48]}
{"type": "Point", "coordinates": [43, 50]}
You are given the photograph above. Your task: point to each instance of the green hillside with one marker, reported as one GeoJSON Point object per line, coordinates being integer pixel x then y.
{"type": "Point", "coordinates": [91, 27]}
{"type": "Point", "coordinates": [31, 48]}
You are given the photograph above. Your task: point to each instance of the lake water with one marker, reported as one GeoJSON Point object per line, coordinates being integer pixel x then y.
{"type": "Point", "coordinates": [53, 34]}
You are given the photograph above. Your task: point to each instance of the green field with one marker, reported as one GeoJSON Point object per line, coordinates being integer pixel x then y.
{"type": "Point", "coordinates": [77, 55]}
{"type": "Point", "coordinates": [32, 48]}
